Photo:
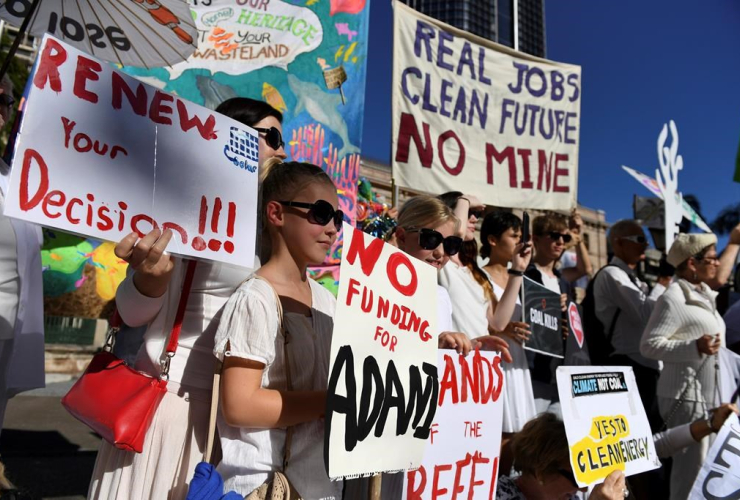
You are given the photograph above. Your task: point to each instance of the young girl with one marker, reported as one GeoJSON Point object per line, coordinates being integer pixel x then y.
{"type": "Point", "coordinates": [301, 220]}
{"type": "Point", "coordinates": [500, 237]}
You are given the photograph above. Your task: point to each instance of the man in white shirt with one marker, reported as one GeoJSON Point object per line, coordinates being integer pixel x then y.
{"type": "Point", "coordinates": [623, 307]}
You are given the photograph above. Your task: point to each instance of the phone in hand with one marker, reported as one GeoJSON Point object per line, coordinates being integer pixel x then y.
{"type": "Point", "coordinates": [525, 228]}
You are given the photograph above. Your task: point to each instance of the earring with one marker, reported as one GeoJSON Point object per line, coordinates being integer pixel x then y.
{"type": "Point", "coordinates": [695, 277]}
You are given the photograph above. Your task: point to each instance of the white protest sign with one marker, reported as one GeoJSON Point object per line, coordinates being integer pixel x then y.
{"type": "Point", "coordinates": [101, 154]}
{"type": "Point", "coordinates": [239, 37]}
{"type": "Point", "coordinates": [605, 422]}
{"type": "Point", "coordinates": [473, 116]}
{"type": "Point", "coordinates": [719, 477]}
{"type": "Point", "coordinates": [383, 382]}
{"type": "Point", "coordinates": [462, 455]}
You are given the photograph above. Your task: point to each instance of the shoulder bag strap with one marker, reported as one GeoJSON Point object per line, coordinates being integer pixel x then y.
{"type": "Point", "coordinates": [177, 326]}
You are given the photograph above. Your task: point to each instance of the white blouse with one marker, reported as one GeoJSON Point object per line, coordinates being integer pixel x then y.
{"type": "Point", "coordinates": [469, 303]}
{"type": "Point", "coordinates": [249, 325]}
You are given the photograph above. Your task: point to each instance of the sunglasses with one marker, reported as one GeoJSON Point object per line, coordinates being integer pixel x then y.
{"type": "Point", "coordinates": [475, 213]}
{"type": "Point", "coordinates": [273, 137]}
{"type": "Point", "coordinates": [568, 474]}
{"type": "Point", "coordinates": [320, 213]}
{"type": "Point", "coordinates": [635, 239]}
{"type": "Point", "coordinates": [555, 236]}
{"type": "Point", "coordinates": [6, 100]}
{"type": "Point", "coordinates": [429, 239]}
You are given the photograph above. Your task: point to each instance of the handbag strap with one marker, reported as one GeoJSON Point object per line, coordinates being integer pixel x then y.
{"type": "Point", "coordinates": [177, 326]}
{"type": "Point", "coordinates": [217, 385]}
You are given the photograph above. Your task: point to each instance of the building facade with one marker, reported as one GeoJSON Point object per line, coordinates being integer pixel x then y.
{"type": "Point", "coordinates": [492, 19]}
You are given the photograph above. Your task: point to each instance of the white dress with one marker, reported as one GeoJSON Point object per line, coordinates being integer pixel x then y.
{"type": "Point", "coordinates": [174, 442]}
{"type": "Point", "coordinates": [517, 395]}
{"type": "Point", "coordinates": [249, 328]}
{"type": "Point", "coordinates": [469, 303]}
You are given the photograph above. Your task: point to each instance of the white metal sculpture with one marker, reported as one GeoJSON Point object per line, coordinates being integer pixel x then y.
{"type": "Point", "coordinates": [670, 163]}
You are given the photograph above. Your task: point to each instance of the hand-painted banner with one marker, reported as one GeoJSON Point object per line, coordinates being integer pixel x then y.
{"type": "Point", "coordinates": [605, 422]}
{"type": "Point", "coordinates": [383, 382]}
{"type": "Point", "coordinates": [282, 52]}
{"type": "Point", "coordinates": [462, 455]}
{"type": "Point", "coordinates": [473, 116]}
{"type": "Point", "coordinates": [719, 476]}
{"type": "Point", "coordinates": [101, 154]}
{"type": "Point", "coordinates": [542, 312]}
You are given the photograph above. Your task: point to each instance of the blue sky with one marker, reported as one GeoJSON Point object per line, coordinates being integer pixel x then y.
{"type": "Point", "coordinates": [643, 63]}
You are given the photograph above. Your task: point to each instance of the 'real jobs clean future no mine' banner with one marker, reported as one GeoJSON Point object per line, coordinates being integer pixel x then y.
{"type": "Point", "coordinates": [473, 116]}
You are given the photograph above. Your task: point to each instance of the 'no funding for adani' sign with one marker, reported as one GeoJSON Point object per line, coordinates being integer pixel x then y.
{"type": "Point", "coordinates": [474, 116]}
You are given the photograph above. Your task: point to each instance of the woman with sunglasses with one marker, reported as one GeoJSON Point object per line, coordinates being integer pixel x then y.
{"type": "Point", "coordinates": [686, 332]}
{"type": "Point", "coordinates": [149, 296]}
{"type": "Point", "coordinates": [275, 332]}
{"type": "Point", "coordinates": [543, 470]}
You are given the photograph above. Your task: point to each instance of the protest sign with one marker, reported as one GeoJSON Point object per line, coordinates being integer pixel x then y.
{"type": "Point", "coordinates": [605, 422]}
{"type": "Point", "coordinates": [719, 477]}
{"type": "Point", "coordinates": [542, 312]}
{"type": "Point", "coordinates": [383, 382]}
{"type": "Point", "coordinates": [576, 347]}
{"type": "Point", "coordinates": [473, 116]}
{"type": "Point", "coordinates": [462, 455]}
{"type": "Point", "coordinates": [101, 154]}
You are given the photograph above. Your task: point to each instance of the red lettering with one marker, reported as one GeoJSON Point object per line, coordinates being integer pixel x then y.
{"type": "Point", "coordinates": [461, 155]}
{"type": "Point", "coordinates": [138, 101]}
{"type": "Point", "coordinates": [368, 254]}
{"type": "Point", "coordinates": [159, 108]}
{"type": "Point", "coordinates": [51, 59]}
{"type": "Point", "coordinates": [545, 170]}
{"type": "Point", "coordinates": [500, 377]}
{"type": "Point", "coordinates": [477, 459]}
{"type": "Point", "coordinates": [68, 126]}
{"type": "Point", "coordinates": [72, 203]}
{"type": "Point", "coordinates": [49, 201]}
{"type": "Point", "coordinates": [459, 466]}
{"type": "Point", "coordinates": [468, 379]}
{"type": "Point", "coordinates": [141, 217]}
{"type": "Point", "coordinates": [178, 229]}
{"type": "Point", "coordinates": [87, 69]}
{"type": "Point", "coordinates": [207, 131]}
{"type": "Point", "coordinates": [412, 492]}
{"type": "Point", "coordinates": [436, 490]}
{"type": "Point", "coordinates": [507, 154]}
{"type": "Point", "coordinates": [527, 182]}
{"type": "Point", "coordinates": [449, 382]}
{"type": "Point", "coordinates": [560, 172]}
{"type": "Point", "coordinates": [352, 290]}
{"type": "Point", "coordinates": [395, 260]}
{"type": "Point", "coordinates": [407, 130]}
{"type": "Point", "coordinates": [25, 203]}
{"type": "Point", "coordinates": [88, 219]}
{"type": "Point", "coordinates": [106, 223]}
{"type": "Point", "coordinates": [494, 475]}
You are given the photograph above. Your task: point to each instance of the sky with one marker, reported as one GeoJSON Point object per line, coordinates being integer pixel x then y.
{"type": "Point", "coordinates": [643, 64]}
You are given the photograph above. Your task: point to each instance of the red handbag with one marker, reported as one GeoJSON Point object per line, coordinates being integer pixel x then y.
{"type": "Point", "coordinates": [117, 401]}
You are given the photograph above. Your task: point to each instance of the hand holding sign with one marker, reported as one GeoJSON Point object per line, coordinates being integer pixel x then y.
{"type": "Point", "coordinates": [518, 331]}
{"type": "Point", "coordinates": [148, 258]}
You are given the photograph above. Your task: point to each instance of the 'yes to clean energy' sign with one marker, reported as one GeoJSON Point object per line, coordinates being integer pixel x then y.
{"type": "Point", "coordinates": [383, 384]}
{"type": "Point", "coordinates": [102, 154]}
{"type": "Point", "coordinates": [605, 422]}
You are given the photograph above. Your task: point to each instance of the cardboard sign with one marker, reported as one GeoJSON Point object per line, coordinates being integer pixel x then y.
{"type": "Point", "coordinates": [473, 116]}
{"type": "Point", "coordinates": [101, 154]}
{"type": "Point", "coordinates": [461, 457]}
{"type": "Point", "coordinates": [542, 312]}
{"type": "Point", "coordinates": [605, 422]}
{"type": "Point", "coordinates": [719, 476]}
{"type": "Point", "coordinates": [383, 382]}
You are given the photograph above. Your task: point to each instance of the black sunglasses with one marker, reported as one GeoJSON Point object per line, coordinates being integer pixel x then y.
{"type": "Point", "coordinates": [429, 239]}
{"type": "Point", "coordinates": [320, 213]}
{"type": "Point", "coordinates": [555, 236]}
{"type": "Point", "coordinates": [273, 137]}
{"type": "Point", "coordinates": [6, 100]}
{"type": "Point", "coordinates": [568, 474]}
{"type": "Point", "coordinates": [477, 213]}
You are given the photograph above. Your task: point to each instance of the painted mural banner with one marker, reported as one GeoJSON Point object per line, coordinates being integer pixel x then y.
{"type": "Point", "coordinates": [383, 382]}
{"type": "Point", "coordinates": [462, 455]}
{"type": "Point", "coordinates": [282, 52]}
{"type": "Point", "coordinates": [473, 116]}
{"type": "Point", "coordinates": [605, 422]}
{"type": "Point", "coordinates": [719, 477]}
{"type": "Point", "coordinates": [101, 154]}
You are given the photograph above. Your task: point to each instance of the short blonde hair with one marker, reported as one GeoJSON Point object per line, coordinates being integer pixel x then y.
{"type": "Point", "coordinates": [425, 211]}
{"type": "Point", "coordinates": [541, 447]}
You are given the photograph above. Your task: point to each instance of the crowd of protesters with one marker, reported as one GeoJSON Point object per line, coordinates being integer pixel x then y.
{"type": "Point", "coordinates": [273, 391]}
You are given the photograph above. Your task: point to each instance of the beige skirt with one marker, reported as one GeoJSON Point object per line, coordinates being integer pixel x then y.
{"type": "Point", "coordinates": [172, 448]}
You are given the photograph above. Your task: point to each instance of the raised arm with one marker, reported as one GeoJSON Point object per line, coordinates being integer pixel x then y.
{"type": "Point", "coordinates": [727, 260]}
{"type": "Point", "coordinates": [507, 303]}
